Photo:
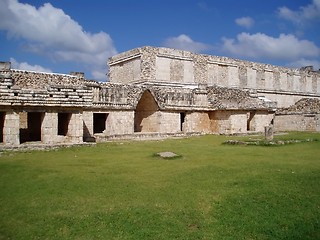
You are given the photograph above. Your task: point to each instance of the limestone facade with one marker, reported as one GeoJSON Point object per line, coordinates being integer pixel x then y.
{"type": "Point", "coordinates": [170, 66]}
{"type": "Point", "coordinates": [156, 91]}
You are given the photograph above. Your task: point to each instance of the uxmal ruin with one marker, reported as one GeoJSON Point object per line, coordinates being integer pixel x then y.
{"type": "Point", "coordinates": [156, 92]}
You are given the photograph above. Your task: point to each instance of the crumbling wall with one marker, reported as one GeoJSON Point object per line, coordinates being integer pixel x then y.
{"type": "Point", "coordinates": [304, 115]}
{"type": "Point", "coordinates": [31, 88]}
{"type": "Point", "coordinates": [232, 98]}
{"type": "Point", "coordinates": [304, 105]}
{"type": "Point", "coordinates": [37, 80]}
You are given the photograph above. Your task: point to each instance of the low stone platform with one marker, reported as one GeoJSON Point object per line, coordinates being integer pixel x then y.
{"type": "Point", "coordinates": [143, 136]}
{"type": "Point", "coordinates": [40, 146]}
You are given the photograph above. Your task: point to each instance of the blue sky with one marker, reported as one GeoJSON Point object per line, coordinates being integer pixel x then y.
{"type": "Point", "coordinates": [79, 35]}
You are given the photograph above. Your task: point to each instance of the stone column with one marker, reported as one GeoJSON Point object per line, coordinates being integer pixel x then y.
{"type": "Point", "coordinates": [201, 95]}
{"type": "Point", "coordinates": [49, 128]}
{"type": "Point", "coordinates": [75, 132]}
{"type": "Point", "coordinates": [88, 125]}
{"type": "Point", "coordinates": [268, 133]}
{"type": "Point", "coordinates": [11, 128]}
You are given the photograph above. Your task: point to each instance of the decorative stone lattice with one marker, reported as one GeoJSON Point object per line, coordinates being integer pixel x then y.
{"type": "Point", "coordinates": [226, 98]}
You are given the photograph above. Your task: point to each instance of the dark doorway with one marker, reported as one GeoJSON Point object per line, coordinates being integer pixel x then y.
{"type": "Point", "coordinates": [34, 125]}
{"type": "Point", "coordinates": [63, 123]}
{"type": "Point", "coordinates": [30, 126]}
{"type": "Point", "coordinates": [2, 115]}
{"type": "Point", "coordinates": [182, 119]}
{"type": "Point", "coordinates": [99, 122]}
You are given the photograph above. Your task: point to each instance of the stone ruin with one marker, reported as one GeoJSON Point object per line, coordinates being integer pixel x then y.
{"type": "Point", "coordinates": [156, 92]}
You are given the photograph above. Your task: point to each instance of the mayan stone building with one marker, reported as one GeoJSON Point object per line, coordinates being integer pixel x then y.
{"type": "Point", "coordinates": [156, 92]}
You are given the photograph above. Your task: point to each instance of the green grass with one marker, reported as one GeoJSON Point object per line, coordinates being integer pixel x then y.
{"type": "Point", "coordinates": [120, 190]}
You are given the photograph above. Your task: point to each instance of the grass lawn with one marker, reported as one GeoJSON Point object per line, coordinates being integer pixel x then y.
{"type": "Point", "coordinates": [121, 190]}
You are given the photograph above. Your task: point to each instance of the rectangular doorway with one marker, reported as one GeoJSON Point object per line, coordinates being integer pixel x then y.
{"type": "Point", "coordinates": [2, 115]}
{"type": "Point", "coordinates": [63, 123]}
{"type": "Point", "coordinates": [99, 122]}
{"type": "Point", "coordinates": [30, 126]}
{"type": "Point", "coordinates": [182, 120]}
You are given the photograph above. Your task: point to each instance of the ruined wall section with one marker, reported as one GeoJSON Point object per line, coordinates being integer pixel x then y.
{"type": "Point", "coordinates": [222, 98]}
{"type": "Point", "coordinates": [303, 106]}
{"type": "Point", "coordinates": [24, 88]}
{"type": "Point", "coordinates": [202, 98]}
{"type": "Point", "coordinates": [38, 80]}
{"type": "Point", "coordinates": [304, 115]}
{"type": "Point", "coordinates": [118, 96]}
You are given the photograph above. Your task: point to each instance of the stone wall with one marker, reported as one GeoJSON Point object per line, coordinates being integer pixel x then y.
{"type": "Point", "coordinates": [36, 80]}
{"type": "Point", "coordinates": [197, 122]}
{"type": "Point", "coordinates": [297, 122]}
{"type": "Point", "coordinates": [260, 120]}
{"type": "Point", "coordinates": [120, 122]}
{"type": "Point", "coordinates": [202, 97]}
{"type": "Point", "coordinates": [11, 128]}
{"type": "Point", "coordinates": [304, 105]}
{"type": "Point", "coordinates": [238, 123]}
{"type": "Point", "coordinates": [232, 98]}
{"type": "Point", "coordinates": [170, 122]}
{"type": "Point", "coordinates": [170, 66]}
{"type": "Point", "coordinates": [220, 121]}
{"type": "Point", "coordinates": [304, 115]}
{"type": "Point", "coordinates": [36, 89]}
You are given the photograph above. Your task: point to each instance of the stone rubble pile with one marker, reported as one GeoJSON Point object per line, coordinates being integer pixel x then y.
{"type": "Point", "coordinates": [304, 105]}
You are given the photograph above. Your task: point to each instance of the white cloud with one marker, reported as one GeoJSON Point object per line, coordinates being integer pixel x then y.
{"type": "Point", "coordinates": [184, 42]}
{"type": "Point", "coordinates": [50, 31]}
{"type": "Point", "coordinates": [26, 66]}
{"type": "Point", "coordinates": [286, 47]}
{"type": "Point", "coordinates": [305, 62]}
{"type": "Point", "coordinates": [99, 73]}
{"type": "Point", "coordinates": [304, 14]}
{"type": "Point", "coordinates": [246, 22]}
